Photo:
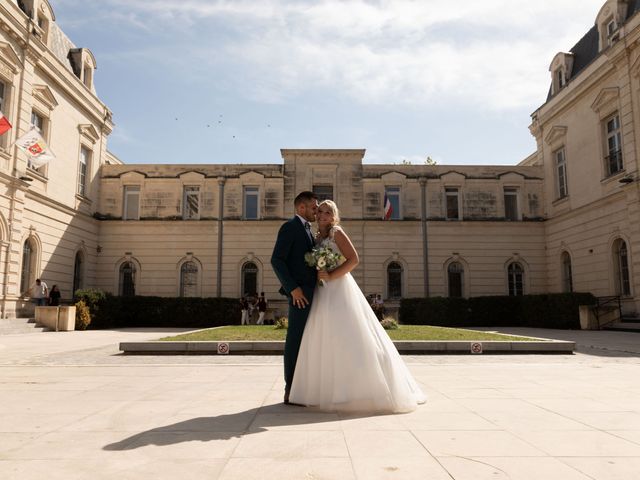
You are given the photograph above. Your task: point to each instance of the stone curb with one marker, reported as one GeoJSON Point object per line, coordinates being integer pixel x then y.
{"type": "Point", "coordinates": [406, 347]}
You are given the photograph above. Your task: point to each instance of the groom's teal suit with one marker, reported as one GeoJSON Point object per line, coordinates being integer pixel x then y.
{"type": "Point", "coordinates": [292, 271]}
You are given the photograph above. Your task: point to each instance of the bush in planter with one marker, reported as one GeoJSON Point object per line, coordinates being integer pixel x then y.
{"type": "Point", "coordinates": [389, 323]}
{"type": "Point", "coordinates": [83, 316]}
{"type": "Point", "coordinates": [281, 323]}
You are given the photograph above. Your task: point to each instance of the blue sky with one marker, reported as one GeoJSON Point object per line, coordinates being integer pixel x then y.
{"type": "Point", "coordinates": [206, 81]}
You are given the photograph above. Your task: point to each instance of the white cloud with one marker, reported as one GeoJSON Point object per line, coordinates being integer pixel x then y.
{"type": "Point", "coordinates": [491, 53]}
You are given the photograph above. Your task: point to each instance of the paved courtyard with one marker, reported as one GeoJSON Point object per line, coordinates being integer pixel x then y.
{"type": "Point", "coordinates": [72, 407]}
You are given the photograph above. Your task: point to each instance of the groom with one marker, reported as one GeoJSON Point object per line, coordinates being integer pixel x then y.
{"type": "Point", "coordinates": [298, 280]}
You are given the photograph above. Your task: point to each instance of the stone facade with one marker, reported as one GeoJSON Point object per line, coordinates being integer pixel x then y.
{"type": "Point", "coordinates": [44, 208]}
{"type": "Point", "coordinates": [563, 219]}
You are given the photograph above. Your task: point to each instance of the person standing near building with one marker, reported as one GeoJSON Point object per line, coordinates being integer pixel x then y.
{"type": "Point", "coordinates": [244, 310]}
{"type": "Point", "coordinates": [262, 308]}
{"type": "Point", "coordinates": [54, 296]}
{"type": "Point", "coordinates": [39, 293]}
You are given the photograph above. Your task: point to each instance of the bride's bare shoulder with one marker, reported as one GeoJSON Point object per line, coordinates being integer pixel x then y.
{"type": "Point", "coordinates": [337, 229]}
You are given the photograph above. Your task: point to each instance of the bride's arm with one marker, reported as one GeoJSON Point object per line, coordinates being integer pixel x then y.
{"type": "Point", "coordinates": [348, 250]}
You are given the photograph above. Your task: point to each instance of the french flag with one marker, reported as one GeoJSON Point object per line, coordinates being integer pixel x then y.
{"type": "Point", "coordinates": [5, 126]}
{"type": "Point", "coordinates": [388, 209]}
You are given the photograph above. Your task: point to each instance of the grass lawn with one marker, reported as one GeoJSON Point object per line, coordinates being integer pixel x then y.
{"type": "Point", "coordinates": [404, 332]}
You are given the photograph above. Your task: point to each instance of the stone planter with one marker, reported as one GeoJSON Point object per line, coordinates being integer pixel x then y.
{"type": "Point", "coordinates": [588, 320]}
{"type": "Point", "coordinates": [60, 319]}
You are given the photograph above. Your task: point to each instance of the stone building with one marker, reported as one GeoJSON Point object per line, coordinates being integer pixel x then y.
{"type": "Point", "coordinates": [564, 219]}
{"type": "Point", "coordinates": [47, 227]}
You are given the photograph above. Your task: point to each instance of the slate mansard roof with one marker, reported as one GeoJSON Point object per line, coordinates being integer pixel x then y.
{"type": "Point", "coordinates": [586, 50]}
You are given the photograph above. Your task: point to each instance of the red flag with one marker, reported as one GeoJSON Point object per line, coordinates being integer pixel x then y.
{"type": "Point", "coordinates": [388, 209]}
{"type": "Point", "coordinates": [5, 126]}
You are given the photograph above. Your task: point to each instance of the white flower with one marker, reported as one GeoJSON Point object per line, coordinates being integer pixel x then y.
{"type": "Point", "coordinates": [321, 263]}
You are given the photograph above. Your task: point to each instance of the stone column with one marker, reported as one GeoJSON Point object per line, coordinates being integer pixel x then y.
{"type": "Point", "coordinates": [221, 182]}
{"type": "Point", "coordinates": [425, 241]}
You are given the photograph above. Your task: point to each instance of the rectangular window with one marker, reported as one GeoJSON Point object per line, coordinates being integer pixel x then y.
{"type": "Point", "coordinates": [561, 173]}
{"type": "Point", "coordinates": [614, 145]}
{"type": "Point", "coordinates": [2, 98]}
{"type": "Point", "coordinates": [131, 209]}
{"type": "Point", "coordinates": [191, 203]}
{"type": "Point", "coordinates": [323, 192]}
{"type": "Point", "coordinates": [453, 207]}
{"type": "Point", "coordinates": [511, 204]}
{"type": "Point", "coordinates": [83, 169]}
{"type": "Point", "coordinates": [37, 121]}
{"type": "Point", "coordinates": [560, 75]}
{"type": "Point", "coordinates": [251, 203]}
{"type": "Point", "coordinates": [393, 194]}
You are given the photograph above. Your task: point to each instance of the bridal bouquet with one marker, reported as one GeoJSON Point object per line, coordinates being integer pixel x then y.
{"type": "Point", "coordinates": [323, 258]}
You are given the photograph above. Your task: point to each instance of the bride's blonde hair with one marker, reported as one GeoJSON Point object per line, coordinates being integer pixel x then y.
{"type": "Point", "coordinates": [334, 210]}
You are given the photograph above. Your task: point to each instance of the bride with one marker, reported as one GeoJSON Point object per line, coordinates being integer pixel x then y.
{"type": "Point", "coordinates": [347, 362]}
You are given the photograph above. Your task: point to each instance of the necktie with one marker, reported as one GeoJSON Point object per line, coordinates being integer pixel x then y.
{"type": "Point", "coordinates": [307, 227]}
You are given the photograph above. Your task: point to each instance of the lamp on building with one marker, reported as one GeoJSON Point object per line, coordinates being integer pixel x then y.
{"type": "Point", "coordinates": [626, 180]}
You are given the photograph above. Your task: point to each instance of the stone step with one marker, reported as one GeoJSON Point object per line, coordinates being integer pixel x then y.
{"type": "Point", "coordinates": [15, 326]}
{"type": "Point", "coordinates": [624, 327]}
{"type": "Point", "coordinates": [630, 319]}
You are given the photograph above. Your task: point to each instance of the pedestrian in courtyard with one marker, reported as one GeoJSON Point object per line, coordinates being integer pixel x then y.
{"type": "Point", "coordinates": [39, 293]}
{"type": "Point", "coordinates": [244, 310]}
{"type": "Point", "coordinates": [262, 308]}
{"type": "Point", "coordinates": [54, 296]}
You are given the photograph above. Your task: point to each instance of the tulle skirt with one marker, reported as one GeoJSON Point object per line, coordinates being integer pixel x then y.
{"type": "Point", "coordinates": [347, 362]}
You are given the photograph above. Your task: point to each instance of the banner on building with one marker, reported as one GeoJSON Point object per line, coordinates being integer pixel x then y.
{"type": "Point", "coordinates": [5, 126]}
{"type": "Point", "coordinates": [36, 148]}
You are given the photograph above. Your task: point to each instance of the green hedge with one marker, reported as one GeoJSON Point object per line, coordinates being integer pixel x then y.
{"type": "Point", "coordinates": [557, 310]}
{"type": "Point", "coordinates": [108, 311]}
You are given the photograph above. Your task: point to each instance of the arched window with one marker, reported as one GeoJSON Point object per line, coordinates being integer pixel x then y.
{"type": "Point", "coordinates": [394, 280]}
{"type": "Point", "coordinates": [78, 272]}
{"type": "Point", "coordinates": [455, 273]}
{"type": "Point", "coordinates": [189, 279]}
{"type": "Point", "coordinates": [567, 274]}
{"type": "Point", "coordinates": [621, 267]}
{"type": "Point", "coordinates": [27, 274]}
{"type": "Point", "coordinates": [249, 278]}
{"type": "Point", "coordinates": [515, 274]}
{"type": "Point", "coordinates": [127, 281]}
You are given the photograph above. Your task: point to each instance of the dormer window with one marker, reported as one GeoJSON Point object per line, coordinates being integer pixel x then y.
{"type": "Point", "coordinates": [560, 71]}
{"type": "Point", "coordinates": [83, 64]}
{"type": "Point", "coordinates": [609, 21]}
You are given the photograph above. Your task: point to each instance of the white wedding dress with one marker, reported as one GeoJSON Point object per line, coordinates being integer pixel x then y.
{"type": "Point", "coordinates": [347, 362]}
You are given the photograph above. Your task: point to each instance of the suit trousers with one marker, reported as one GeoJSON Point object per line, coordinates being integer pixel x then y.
{"type": "Point", "coordinates": [297, 321]}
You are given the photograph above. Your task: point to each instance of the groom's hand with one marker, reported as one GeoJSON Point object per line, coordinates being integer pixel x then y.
{"type": "Point", "coordinates": [299, 300]}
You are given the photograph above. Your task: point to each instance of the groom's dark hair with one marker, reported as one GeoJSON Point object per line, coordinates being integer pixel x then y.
{"type": "Point", "coordinates": [304, 197]}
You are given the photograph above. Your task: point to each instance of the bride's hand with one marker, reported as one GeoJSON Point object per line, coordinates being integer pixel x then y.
{"type": "Point", "coordinates": [324, 275]}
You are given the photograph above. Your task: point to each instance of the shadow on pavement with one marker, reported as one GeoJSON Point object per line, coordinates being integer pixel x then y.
{"type": "Point", "coordinates": [224, 427]}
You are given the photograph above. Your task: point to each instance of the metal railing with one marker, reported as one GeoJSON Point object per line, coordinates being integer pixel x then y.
{"type": "Point", "coordinates": [607, 304]}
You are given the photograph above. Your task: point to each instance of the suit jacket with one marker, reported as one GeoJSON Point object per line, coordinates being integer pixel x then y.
{"type": "Point", "coordinates": [287, 259]}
